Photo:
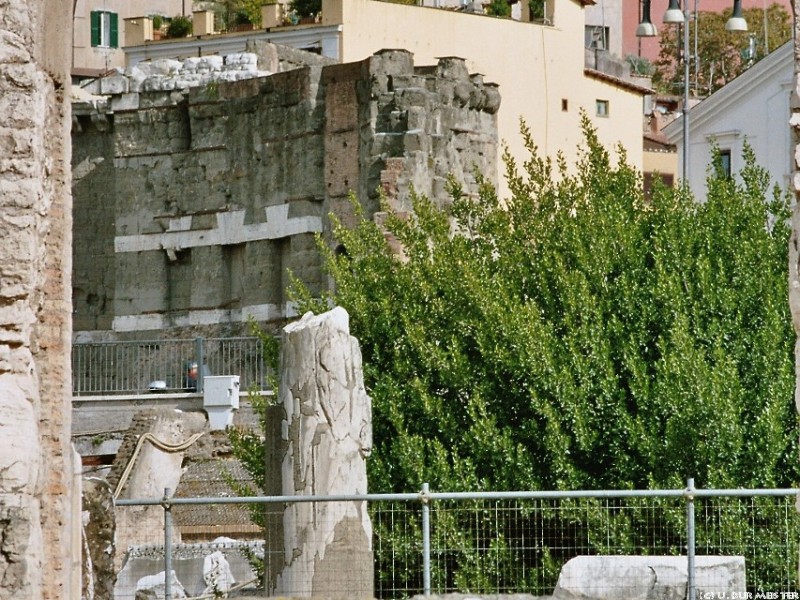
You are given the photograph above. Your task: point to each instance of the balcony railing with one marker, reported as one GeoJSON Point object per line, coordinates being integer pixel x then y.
{"type": "Point", "coordinates": [166, 365]}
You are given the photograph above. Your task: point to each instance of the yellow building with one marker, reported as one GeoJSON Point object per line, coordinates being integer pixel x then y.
{"type": "Point", "coordinates": [539, 67]}
{"type": "Point", "coordinates": [99, 34]}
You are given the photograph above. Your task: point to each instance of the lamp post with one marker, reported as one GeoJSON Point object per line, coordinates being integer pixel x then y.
{"type": "Point", "coordinates": [675, 15]}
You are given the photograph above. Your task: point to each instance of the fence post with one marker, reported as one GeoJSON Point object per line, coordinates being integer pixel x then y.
{"type": "Point", "coordinates": [426, 541]}
{"type": "Point", "coordinates": [199, 350]}
{"type": "Point", "coordinates": [690, 581]}
{"type": "Point", "coordinates": [167, 544]}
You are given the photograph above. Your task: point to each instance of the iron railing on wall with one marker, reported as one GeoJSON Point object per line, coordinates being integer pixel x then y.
{"type": "Point", "coordinates": [134, 367]}
{"type": "Point", "coordinates": [518, 542]}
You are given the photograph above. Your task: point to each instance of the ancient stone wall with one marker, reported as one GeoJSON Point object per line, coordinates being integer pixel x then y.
{"type": "Point", "coordinates": [39, 509]}
{"type": "Point", "coordinates": [218, 190]}
{"type": "Point", "coordinates": [93, 255]}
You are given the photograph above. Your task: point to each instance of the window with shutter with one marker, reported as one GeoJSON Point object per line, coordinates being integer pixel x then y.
{"type": "Point", "coordinates": [113, 30]}
{"type": "Point", "coordinates": [105, 29]}
{"type": "Point", "coordinates": [95, 23]}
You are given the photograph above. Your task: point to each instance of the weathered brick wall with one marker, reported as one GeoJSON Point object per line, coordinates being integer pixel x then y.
{"type": "Point", "coordinates": [37, 504]}
{"type": "Point", "coordinates": [218, 191]}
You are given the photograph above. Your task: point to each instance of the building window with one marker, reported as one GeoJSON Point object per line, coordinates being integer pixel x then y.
{"type": "Point", "coordinates": [564, 104]}
{"type": "Point", "coordinates": [595, 37]}
{"type": "Point", "coordinates": [725, 161]}
{"type": "Point", "coordinates": [105, 29]}
{"type": "Point", "coordinates": [601, 108]}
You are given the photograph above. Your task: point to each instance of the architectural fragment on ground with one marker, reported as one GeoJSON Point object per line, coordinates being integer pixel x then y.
{"type": "Point", "coordinates": [173, 449]}
{"type": "Point", "coordinates": [649, 577]}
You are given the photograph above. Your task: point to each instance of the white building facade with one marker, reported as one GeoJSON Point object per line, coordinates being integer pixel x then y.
{"type": "Point", "coordinates": [754, 107]}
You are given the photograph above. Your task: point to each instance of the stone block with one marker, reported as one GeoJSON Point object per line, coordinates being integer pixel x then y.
{"type": "Point", "coordinates": [18, 437]}
{"type": "Point", "coordinates": [129, 101]}
{"type": "Point", "coordinates": [416, 141]}
{"type": "Point", "coordinates": [416, 96]}
{"type": "Point", "coordinates": [391, 63]}
{"type": "Point", "coordinates": [648, 577]}
{"type": "Point", "coordinates": [341, 163]}
{"type": "Point", "coordinates": [115, 84]}
{"type": "Point", "coordinates": [451, 67]}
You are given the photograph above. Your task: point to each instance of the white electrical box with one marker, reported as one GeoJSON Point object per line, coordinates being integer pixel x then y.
{"type": "Point", "coordinates": [220, 399]}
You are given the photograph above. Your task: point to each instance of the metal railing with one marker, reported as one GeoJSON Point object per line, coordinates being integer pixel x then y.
{"type": "Point", "coordinates": [134, 367]}
{"type": "Point", "coordinates": [518, 542]}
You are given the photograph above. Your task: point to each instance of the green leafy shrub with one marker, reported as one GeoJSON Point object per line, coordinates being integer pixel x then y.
{"type": "Point", "coordinates": [306, 8]}
{"type": "Point", "coordinates": [499, 8]}
{"type": "Point", "coordinates": [179, 27]}
{"type": "Point", "coordinates": [576, 336]}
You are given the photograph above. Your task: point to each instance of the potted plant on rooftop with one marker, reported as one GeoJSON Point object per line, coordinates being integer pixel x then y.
{"type": "Point", "coordinates": [306, 10]}
{"type": "Point", "coordinates": [158, 24]}
{"type": "Point", "coordinates": [179, 27]}
{"type": "Point", "coordinates": [499, 8]}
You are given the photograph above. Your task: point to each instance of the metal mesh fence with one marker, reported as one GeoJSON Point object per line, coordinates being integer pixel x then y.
{"type": "Point", "coordinates": [482, 543]}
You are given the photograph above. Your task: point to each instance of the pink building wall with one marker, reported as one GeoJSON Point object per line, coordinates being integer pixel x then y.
{"type": "Point", "coordinates": [649, 47]}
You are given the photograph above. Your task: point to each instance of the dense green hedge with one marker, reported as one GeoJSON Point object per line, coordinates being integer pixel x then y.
{"type": "Point", "coordinates": [577, 335]}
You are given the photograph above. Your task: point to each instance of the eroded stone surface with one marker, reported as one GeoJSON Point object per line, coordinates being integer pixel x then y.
{"type": "Point", "coordinates": [39, 510]}
{"type": "Point", "coordinates": [99, 530]}
{"type": "Point", "coordinates": [328, 431]}
{"type": "Point", "coordinates": [193, 203]}
{"type": "Point", "coordinates": [794, 242]}
{"type": "Point", "coordinates": [648, 577]}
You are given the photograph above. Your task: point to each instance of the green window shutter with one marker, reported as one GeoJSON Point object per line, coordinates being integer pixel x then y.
{"type": "Point", "coordinates": [95, 21]}
{"type": "Point", "coordinates": [114, 42]}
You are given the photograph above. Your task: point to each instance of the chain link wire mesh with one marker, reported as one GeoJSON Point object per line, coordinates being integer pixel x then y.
{"type": "Point", "coordinates": [485, 545]}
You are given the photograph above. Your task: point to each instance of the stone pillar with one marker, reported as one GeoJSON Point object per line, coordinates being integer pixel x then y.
{"type": "Point", "coordinates": [328, 432]}
{"type": "Point", "coordinates": [38, 517]}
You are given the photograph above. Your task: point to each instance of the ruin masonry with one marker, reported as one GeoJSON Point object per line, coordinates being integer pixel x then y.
{"type": "Point", "coordinates": [39, 503]}
{"type": "Point", "coordinates": [192, 205]}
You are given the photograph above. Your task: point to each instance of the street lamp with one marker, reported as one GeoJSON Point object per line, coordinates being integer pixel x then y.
{"type": "Point", "coordinates": [674, 15]}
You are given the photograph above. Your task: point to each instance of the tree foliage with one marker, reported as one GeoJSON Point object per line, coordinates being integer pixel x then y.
{"type": "Point", "coordinates": [230, 13]}
{"type": "Point", "coordinates": [248, 444]}
{"type": "Point", "coordinates": [306, 8]}
{"type": "Point", "coordinates": [179, 26]}
{"type": "Point", "coordinates": [574, 335]}
{"type": "Point", "coordinates": [499, 8]}
{"type": "Point", "coordinates": [721, 55]}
